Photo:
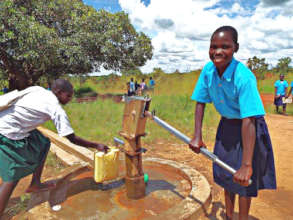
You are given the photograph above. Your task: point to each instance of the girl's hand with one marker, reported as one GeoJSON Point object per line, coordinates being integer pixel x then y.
{"type": "Point", "coordinates": [277, 96]}
{"type": "Point", "coordinates": [243, 175]}
{"type": "Point", "coordinates": [101, 147]}
{"type": "Point", "coordinates": [195, 145]}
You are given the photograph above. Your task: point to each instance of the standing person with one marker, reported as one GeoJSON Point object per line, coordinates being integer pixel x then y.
{"type": "Point", "coordinates": [142, 86]}
{"type": "Point", "coordinates": [132, 87]}
{"type": "Point", "coordinates": [281, 86]}
{"type": "Point", "coordinates": [23, 149]}
{"type": "Point", "coordinates": [152, 83]}
{"type": "Point", "coordinates": [136, 85]}
{"type": "Point", "coordinates": [242, 139]}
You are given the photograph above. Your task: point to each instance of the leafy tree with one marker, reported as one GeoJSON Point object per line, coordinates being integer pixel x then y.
{"type": "Point", "coordinates": [57, 37]}
{"type": "Point", "coordinates": [283, 65]}
{"type": "Point", "coordinates": [157, 72]}
{"type": "Point", "coordinates": [258, 66]}
{"type": "Point", "coordinates": [132, 72]}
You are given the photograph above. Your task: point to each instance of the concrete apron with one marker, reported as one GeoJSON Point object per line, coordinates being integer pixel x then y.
{"type": "Point", "coordinates": [174, 191]}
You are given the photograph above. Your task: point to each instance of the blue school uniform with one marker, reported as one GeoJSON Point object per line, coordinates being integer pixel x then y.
{"type": "Point", "coordinates": [292, 87]}
{"type": "Point", "coordinates": [281, 91]}
{"type": "Point", "coordinates": [281, 86]}
{"type": "Point", "coordinates": [235, 96]}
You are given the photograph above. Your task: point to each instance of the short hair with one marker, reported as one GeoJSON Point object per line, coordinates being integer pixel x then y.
{"type": "Point", "coordinates": [230, 29]}
{"type": "Point", "coordinates": [62, 85]}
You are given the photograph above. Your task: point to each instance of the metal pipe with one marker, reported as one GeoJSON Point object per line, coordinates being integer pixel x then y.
{"type": "Point", "coordinates": [118, 141]}
{"type": "Point", "coordinates": [187, 140]}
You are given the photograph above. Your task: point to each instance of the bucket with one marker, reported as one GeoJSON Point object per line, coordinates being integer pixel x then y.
{"type": "Point", "coordinates": [287, 100]}
{"type": "Point", "coordinates": [106, 165]}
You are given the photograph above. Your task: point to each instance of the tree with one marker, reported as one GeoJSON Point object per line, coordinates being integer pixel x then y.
{"type": "Point", "coordinates": [283, 65]}
{"type": "Point", "coordinates": [136, 72]}
{"type": "Point", "coordinates": [157, 72]}
{"type": "Point", "coordinates": [57, 37]}
{"type": "Point", "coordinates": [258, 66]}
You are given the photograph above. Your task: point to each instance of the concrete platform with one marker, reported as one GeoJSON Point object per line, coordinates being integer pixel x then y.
{"type": "Point", "coordinates": [175, 191]}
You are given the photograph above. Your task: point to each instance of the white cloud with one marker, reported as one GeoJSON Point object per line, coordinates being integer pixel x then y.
{"type": "Point", "coordinates": [181, 30]}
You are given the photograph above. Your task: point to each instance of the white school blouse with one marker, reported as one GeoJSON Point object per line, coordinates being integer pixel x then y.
{"type": "Point", "coordinates": [33, 109]}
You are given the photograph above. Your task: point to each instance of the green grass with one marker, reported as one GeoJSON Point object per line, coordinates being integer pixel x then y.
{"type": "Point", "coordinates": [96, 121]}
{"type": "Point", "coordinates": [267, 85]}
{"type": "Point", "coordinates": [102, 120]}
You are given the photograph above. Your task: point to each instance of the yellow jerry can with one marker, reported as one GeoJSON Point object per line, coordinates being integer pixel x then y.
{"type": "Point", "coordinates": [106, 165]}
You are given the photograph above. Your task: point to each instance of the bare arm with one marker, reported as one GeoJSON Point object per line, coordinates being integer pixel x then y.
{"type": "Point", "coordinates": [248, 133]}
{"type": "Point", "coordinates": [85, 143]}
{"type": "Point", "coordinates": [196, 143]}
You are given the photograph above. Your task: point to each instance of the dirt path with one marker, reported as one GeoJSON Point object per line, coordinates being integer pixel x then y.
{"type": "Point", "coordinates": [269, 204]}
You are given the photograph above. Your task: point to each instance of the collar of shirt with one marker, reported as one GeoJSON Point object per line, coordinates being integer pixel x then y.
{"type": "Point", "coordinates": [229, 70]}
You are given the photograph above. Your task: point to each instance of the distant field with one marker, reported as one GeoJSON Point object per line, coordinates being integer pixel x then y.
{"type": "Point", "coordinates": [102, 120]}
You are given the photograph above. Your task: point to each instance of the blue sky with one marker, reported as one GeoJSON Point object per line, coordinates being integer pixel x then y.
{"type": "Point", "coordinates": [180, 29]}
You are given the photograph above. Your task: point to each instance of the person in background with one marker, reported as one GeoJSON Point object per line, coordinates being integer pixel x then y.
{"type": "Point", "coordinates": [151, 83]}
{"type": "Point", "coordinates": [142, 84]}
{"type": "Point", "coordinates": [137, 86]}
{"type": "Point", "coordinates": [128, 89]}
{"type": "Point", "coordinates": [242, 139]}
{"type": "Point", "coordinates": [281, 86]}
{"type": "Point", "coordinates": [131, 87]}
{"type": "Point", "coordinates": [23, 149]}
{"type": "Point", "coordinates": [142, 87]}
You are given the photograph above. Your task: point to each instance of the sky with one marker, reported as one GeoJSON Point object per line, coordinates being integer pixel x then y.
{"type": "Point", "coordinates": [180, 30]}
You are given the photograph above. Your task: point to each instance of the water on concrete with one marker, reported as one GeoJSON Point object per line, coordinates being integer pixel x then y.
{"type": "Point", "coordinates": [82, 198]}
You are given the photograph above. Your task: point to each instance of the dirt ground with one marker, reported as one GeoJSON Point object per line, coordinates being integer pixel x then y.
{"type": "Point", "coordinates": [269, 204]}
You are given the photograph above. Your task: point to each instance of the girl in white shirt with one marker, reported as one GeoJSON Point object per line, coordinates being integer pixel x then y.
{"type": "Point", "coordinates": [23, 149]}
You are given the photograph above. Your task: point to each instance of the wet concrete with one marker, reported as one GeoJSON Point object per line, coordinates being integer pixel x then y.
{"type": "Point", "coordinates": [171, 191]}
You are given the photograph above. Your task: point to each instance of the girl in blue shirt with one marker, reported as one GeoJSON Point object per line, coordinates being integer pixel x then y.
{"type": "Point", "coordinates": [242, 139]}
{"type": "Point", "coordinates": [280, 92]}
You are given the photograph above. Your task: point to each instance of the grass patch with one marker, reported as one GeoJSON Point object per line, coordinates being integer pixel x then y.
{"type": "Point", "coordinates": [267, 85]}
{"type": "Point", "coordinates": [102, 120]}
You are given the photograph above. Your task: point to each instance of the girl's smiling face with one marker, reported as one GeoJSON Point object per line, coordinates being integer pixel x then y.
{"type": "Point", "coordinates": [221, 51]}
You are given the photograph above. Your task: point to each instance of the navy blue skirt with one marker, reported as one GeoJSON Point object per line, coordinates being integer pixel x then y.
{"type": "Point", "coordinates": [229, 149]}
{"type": "Point", "coordinates": [279, 101]}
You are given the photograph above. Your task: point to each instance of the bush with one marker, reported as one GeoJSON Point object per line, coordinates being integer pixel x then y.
{"type": "Point", "coordinates": [85, 92]}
